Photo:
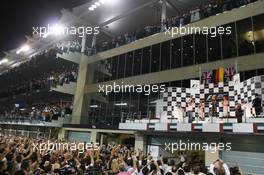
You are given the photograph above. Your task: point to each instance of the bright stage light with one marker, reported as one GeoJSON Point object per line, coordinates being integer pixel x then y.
{"type": "Point", "coordinates": [24, 48]}
{"type": "Point", "coordinates": [5, 60]}
{"type": "Point", "coordinates": [57, 29]}
{"type": "Point", "coordinates": [121, 104]}
{"type": "Point", "coordinates": [91, 8]}
{"type": "Point", "coordinates": [102, 1]}
{"type": "Point", "coordinates": [94, 106]}
{"type": "Point", "coordinates": [98, 3]}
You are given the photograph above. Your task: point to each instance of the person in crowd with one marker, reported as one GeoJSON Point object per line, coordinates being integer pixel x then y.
{"type": "Point", "coordinates": [236, 170]}
{"type": "Point", "coordinates": [201, 110]}
{"type": "Point", "coordinates": [239, 113]}
{"type": "Point", "coordinates": [218, 167]}
{"type": "Point", "coordinates": [214, 105]}
{"type": "Point", "coordinates": [225, 104]}
{"type": "Point", "coordinates": [178, 113]}
{"type": "Point", "coordinates": [256, 105]}
{"type": "Point", "coordinates": [189, 109]}
{"type": "Point", "coordinates": [246, 107]}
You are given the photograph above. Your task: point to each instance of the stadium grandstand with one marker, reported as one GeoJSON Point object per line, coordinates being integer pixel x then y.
{"type": "Point", "coordinates": [135, 87]}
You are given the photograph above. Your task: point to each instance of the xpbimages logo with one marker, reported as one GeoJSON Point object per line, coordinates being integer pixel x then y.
{"type": "Point", "coordinates": [61, 146]}
{"type": "Point", "coordinates": [188, 30]}
{"type": "Point", "coordinates": [204, 146]}
{"type": "Point", "coordinates": [123, 88]}
{"type": "Point", "coordinates": [44, 31]}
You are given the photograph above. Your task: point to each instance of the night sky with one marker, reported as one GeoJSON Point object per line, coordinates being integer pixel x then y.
{"type": "Point", "coordinates": [18, 17]}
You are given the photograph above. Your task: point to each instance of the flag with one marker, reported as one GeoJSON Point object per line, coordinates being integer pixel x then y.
{"type": "Point", "coordinates": [229, 73]}
{"type": "Point", "coordinates": [218, 75]}
{"type": "Point", "coordinates": [211, 76]}
{"type": "Point", "coordinates": [216, 80]}
{"type": "Point", "coordinates": [205, 78]}
{"type": "Point", "coordinates": [221, 74]}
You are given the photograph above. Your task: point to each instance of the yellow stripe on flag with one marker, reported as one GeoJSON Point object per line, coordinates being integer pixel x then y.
{"type": "Point", "coordinates": [221, 74]}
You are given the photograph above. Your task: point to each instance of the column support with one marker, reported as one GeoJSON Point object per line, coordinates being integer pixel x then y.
{"type": "Point", "coordinates": [163, 11]}
{"type": "Point", "coordinates": [140, 142]}
{"type": "Point", "coordinates": [81, 100]}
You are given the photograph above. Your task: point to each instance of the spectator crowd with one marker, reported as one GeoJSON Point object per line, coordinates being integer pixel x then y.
{"type": "Point", "coordinates": [43, 112]}
{"type": "Point", "coordinates": [195, 14]}
{"type": "Point", "coordinates": [18, 156]}
{"type": "Point", "coordinates": [60, 72]}
{"type": "Point", "coordinates": [41, 72]}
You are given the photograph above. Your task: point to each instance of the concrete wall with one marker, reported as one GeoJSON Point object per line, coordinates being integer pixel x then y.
{"type": "Point", "coordinates": [81, 99]}
{"type": "Point", "coordinates": [66, 88]}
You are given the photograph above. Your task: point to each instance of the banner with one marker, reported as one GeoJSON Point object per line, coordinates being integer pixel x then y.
{"type": "Point", "coordinates": [219, 75]}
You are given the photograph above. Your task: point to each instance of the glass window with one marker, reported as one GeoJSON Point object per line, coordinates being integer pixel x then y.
{"type": "Point", "coordinates": [176, 83]}
{"type": "Point", "coordinates": [166, 84]}
{"type": "Point", "coordinates": [102, 110]}
{"type": "Point", "coordinates": [129, 64]}
{"type": "Point", "coordinates": [187, 50]}
{"type": "Point", "coordinates": [229, 42]}
{"type": "Point", "coordinates": [126, 102]}
{"type": "Point", "coordinates": [259, 32]}
{"type": "Point", "coordinates": [117, 106]}
{"type": "Point", "coordinates": [146, 60]}
{"type": "Point", "coordinates": [186, 83]}
{"type": "Point", "coordinates": [110, 107]}
{"type": "Point", "coordinates": [242, 76]}
{"type": "Point", "coordinates": [260, 72]}
{"type": "Point", "coordinates": [250, 74]}
{"type": "Point", "coordinates": [143, 105]}
{"type": "Point", "coordinates": [200, 49]}
{"type": "Point", "coordinates": [114, 66]}
{"type": "Point", "coordinates": [152, 106]}
{"type": "Point", "coordinates": [95, 76]}
{"type": "Point", "coordinates": [165, 55]}
{"type": "Point", "coordinates": [134, 102]}
{"type": "Point", "coordinates": [108, 68]}
{"type": "Point", "coordinates": [155, 58]}
{"type": "Point", "coordinates": [137, 62]}
{"type": "Point", "coordinates": [214, 48]}
{"type": "Point", "coordinates": [245, 37]}
{"type": "Point", "coordinates": [176, 46]}
{"type": "Point", "coordinates": [121, 65]}
{"type": "Point", "coordinates": [98, 73]}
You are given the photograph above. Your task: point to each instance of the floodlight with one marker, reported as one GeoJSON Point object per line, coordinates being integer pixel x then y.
{"type": "Point", "coordinates": [102, 1]}
{"type": "Point", "coordinates": [5, 60]}
{"type": "Point", "coordinates": [91, 8]}
{"type": "Point", "coordinates": [97, 4]}
{"type": "Point", "coordinates": [121, 104]}
{"type": "Point", "coordinates": [24, 48]}
{"type": "Point", "coordinates": [94, 106]}
{"type": "Point", "coordinates": [57, 29]}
